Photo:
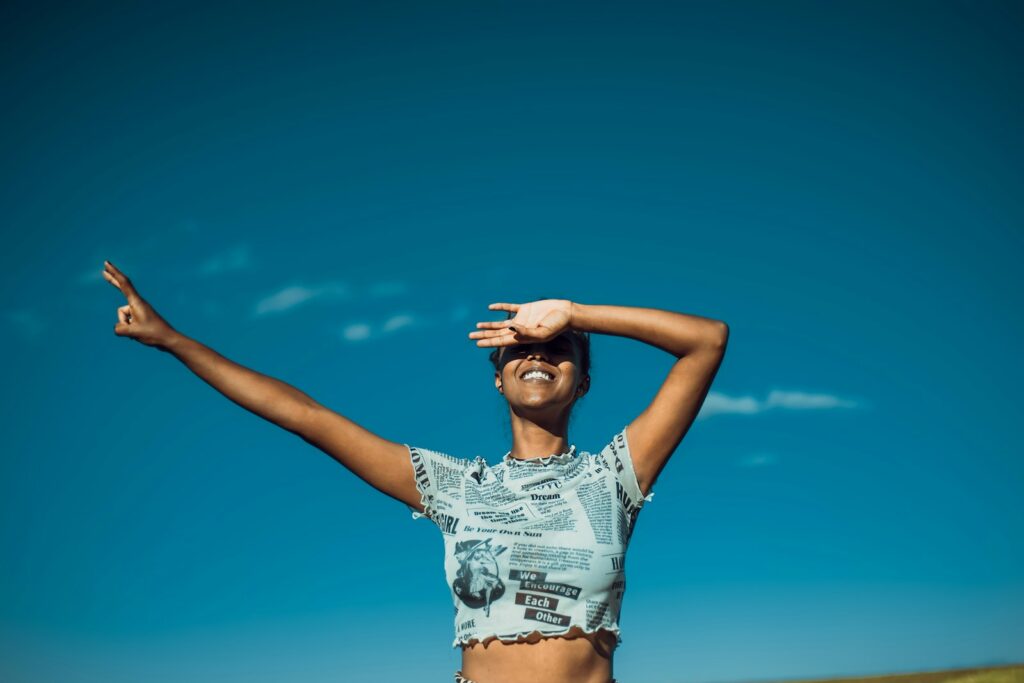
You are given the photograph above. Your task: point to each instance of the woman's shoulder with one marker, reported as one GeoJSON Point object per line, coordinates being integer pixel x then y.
{"type": "Point", "coordinates": [438, 454]}
{"type": "Point", "coordinates": [443, 459]}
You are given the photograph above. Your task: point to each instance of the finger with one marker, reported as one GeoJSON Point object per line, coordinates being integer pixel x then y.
{"type": "Point", "coordinates": [504, 307]}
{"type": "Point", "coordinates": [110, 278]}
{"type": "Point", "coordinates": [493, 324]}
{"type": "Point", "coordinates": [489, 334]}
{"type": "Point", "coordinates": [125, 285]}
{"type": "Point", "coordinates": [500, 340]}
{"type": "Point", "coordinates": [124, 314]}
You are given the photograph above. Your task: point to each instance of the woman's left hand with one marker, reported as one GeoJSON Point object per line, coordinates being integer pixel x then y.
{"type": "Point", "coordinates": [537, 321]}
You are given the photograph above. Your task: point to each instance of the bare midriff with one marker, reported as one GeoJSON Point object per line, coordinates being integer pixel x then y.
{"type": "Point", "coordinates": [575, 656]}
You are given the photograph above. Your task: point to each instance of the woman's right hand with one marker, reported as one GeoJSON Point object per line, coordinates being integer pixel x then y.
{"type": "Point", "coordinates": [136, 319]}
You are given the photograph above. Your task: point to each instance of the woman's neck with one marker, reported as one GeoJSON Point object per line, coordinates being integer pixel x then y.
{"type": "Point", "coordinates": [533, 440]}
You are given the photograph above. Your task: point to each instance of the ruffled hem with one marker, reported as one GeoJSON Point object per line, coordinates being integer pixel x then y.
{"type": "Point", "coordinates": [557, 458]}
{"type": "Point", "coordinates": [521, 636]}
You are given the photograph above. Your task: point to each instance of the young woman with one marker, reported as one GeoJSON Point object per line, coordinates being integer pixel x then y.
{"type": "Point", "coordinates": [535, 545]}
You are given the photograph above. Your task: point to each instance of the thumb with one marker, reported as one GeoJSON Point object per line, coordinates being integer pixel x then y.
{"type": "Point", "coordinates": [121, 329]}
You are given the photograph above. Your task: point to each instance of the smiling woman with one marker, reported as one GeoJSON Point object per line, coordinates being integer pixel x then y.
{"type": "Point", "coordinates": [565, 515]}
{"type": "Point", "coordinates": [535, 545]}
{"type": "Point", "coordinates": [569, 346]}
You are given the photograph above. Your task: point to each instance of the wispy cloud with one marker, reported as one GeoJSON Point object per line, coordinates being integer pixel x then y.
{"type": "Point", "coordinates": [88, 277]}
{"type": "Point", "coordinates": [292, 296]}
{"type": "Point", "coordinates": [26, 323]}
{"type": "Point", "coordinates": [397, 322]}
{"type": "Point", "coordinates": [362, 331]}
{"type": "Point", "coordinates": [759, 459]}
{"type": "Point", "coordinates": [237, 257]}
{"type": "Point", "coordinates": [798, 400]}
{"type": "Point", "coordinates": [718, 403]}
{"type": "Point", "coordinates": [145, 245]}
{"type": "Point", "coordinates": [354, 332]}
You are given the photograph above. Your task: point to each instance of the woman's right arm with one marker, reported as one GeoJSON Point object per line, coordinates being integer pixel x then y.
{"type": "Point", "coordinates": [383, 464]}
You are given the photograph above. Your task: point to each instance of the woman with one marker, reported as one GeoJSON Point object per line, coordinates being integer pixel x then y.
{"type": "Point", "coordinates": [535, 545]}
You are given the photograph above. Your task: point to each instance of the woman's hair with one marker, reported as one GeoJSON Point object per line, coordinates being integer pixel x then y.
{"type": "Point", "coordinates": [582, 339]}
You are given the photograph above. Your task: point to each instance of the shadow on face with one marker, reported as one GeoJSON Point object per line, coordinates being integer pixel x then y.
{"type": "Point", "coordinates": [555, 351]}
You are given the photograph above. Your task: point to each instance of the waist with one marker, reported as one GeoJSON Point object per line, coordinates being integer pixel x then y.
{"type": "Point", "coordinates": [577, 656]}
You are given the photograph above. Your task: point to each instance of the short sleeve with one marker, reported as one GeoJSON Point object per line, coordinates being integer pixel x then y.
{"type": "Point", "coordinates": [620, 460]}
{"type": "Point", "coordinates": [439, 480]}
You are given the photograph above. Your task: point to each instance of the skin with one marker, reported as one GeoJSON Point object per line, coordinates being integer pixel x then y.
{"type": "Point", "coordinates": [539, 411]}
{"type": "Point", "coordinates": [538, 335]}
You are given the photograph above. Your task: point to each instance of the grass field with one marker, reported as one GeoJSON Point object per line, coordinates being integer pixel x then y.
{"type": "Point", "coordinates": [999, 674]}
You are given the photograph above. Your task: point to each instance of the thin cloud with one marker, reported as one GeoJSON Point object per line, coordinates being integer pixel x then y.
{"type": "Point", "coordinates": [293, 296]}
{"type": "Point", "coordinates": [718, 403]}
{"type": "Point", "coordinates": [397, 322]}
{"type": "Point", "coordinates": [88, 277]}
{"type": "Point", "coordinates": [156, 241]}
{"type": "Point", "coordinates": [235, 258]}
{"type": "Point", "coordinates": [355, 332]}
{"type": "Point", "coordinates": [27, 324]}
{"type": "Point", "coordinates": [758, 460]}
{"type": "Point", "coordinates": [362, 331]}
{"type": "Point", "coordinates": [797, 400]}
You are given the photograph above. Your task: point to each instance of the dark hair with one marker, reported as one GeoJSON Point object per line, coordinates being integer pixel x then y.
{"type": "Point", "coordinates": [582, 339]}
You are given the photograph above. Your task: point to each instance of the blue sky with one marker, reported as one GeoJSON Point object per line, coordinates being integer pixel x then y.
{"type": "Point", "coordinates": [332, 194]}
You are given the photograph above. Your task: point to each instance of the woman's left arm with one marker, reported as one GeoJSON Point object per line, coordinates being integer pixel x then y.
{"type": "Point", "coordinates": [699, 345]}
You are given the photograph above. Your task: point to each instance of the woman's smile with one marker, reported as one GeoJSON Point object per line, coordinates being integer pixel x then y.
{"type": "Point", "coordinates": [537, 375]}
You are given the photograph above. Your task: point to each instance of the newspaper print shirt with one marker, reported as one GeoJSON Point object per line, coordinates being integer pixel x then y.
{"type": "Point", "coordinates": [532, 545]}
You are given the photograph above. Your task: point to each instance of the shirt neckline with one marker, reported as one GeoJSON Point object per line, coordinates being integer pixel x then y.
{"type": "Point", "coordinates": [555, 458]}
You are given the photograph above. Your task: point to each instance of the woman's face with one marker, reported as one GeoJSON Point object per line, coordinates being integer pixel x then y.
{"type": "Point", "coordinates": [558, 359]}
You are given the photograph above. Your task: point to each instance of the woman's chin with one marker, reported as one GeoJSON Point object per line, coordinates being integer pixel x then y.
{"type": "Point", "coordinates": [540, 404]}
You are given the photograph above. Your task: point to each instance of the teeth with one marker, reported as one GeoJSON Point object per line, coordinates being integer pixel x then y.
{"type": "Point", "coordinates": [539, 374]}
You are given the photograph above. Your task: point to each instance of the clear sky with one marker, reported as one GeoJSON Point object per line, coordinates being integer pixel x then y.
{"type": "Point", "coordinates": [333, 194]}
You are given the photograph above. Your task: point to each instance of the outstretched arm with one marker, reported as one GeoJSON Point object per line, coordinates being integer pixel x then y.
{"type": "Point", "coordinates": [699, 345]}
{"type": "Point", "coordinates": [383, 464]}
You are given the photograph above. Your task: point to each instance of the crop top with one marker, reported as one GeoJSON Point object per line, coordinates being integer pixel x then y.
{"type": "Point", "coordinates": [532, 545]}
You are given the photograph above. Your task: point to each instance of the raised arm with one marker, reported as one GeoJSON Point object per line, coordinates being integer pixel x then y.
{"type": "Point", "coordinates": [383, 464]}
{"type": "Point", "coordinates": [699, 345]}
